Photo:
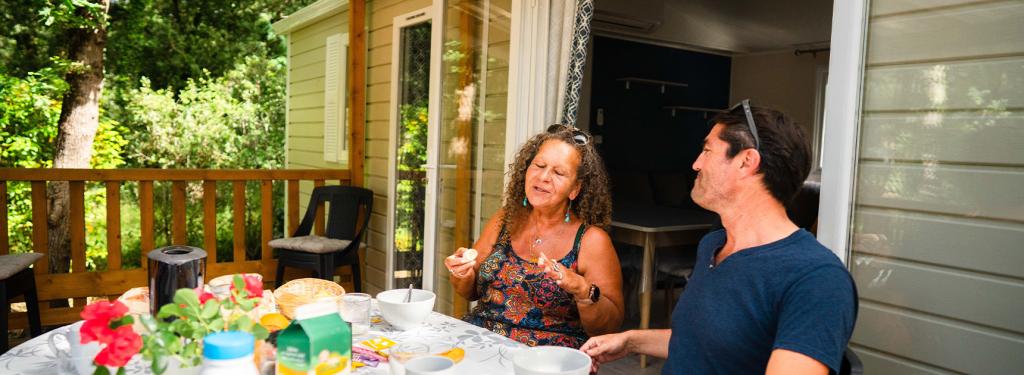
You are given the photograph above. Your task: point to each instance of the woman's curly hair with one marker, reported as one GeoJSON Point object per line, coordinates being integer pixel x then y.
{"type": "Point", "coordinates": [593, 205]}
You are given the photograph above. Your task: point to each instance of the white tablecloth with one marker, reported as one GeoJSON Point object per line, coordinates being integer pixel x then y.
{"type": "Point", "coordinates": [486, 352]}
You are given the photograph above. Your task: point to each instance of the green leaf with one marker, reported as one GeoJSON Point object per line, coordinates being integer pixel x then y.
{"type": "Point", "coordinates": [169, 310]}
{"type": "Point", "coordinates": [216, 325]}
{"type": "Point", "coordinates": [120, 371]}
{"type": "Point", "coordinates": [126, 320]}
{"type": "Point", "coordinates": [260, 332]}
{"type": "Point", "coordinates": [191, 351]}
{"type": "Point", "coordinates": [244, 323]}
{"type": "Point", "coordinates": [238, 283]}
{"type": "Point", "coordinates": [157, 366]}
{"type": "Point", "coordinates": [210, 309]}
{"type": "Point", "coordinates": [187, 297]}
{"type": "Point", "coordinates": [101, 370]}
{"type": "Point", "coordinates": [149, 323]}
{"type": "Point", "coordinates": [246, 304]}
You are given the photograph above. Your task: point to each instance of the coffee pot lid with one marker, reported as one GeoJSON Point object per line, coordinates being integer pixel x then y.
{"type": "Point", "coordinates": [177, 254]}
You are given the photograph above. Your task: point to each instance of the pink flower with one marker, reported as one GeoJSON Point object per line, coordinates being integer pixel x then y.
{"type": "Point", "coordinates": [124, 344]}
{"type": "Point", "coordinates": [104, 311]}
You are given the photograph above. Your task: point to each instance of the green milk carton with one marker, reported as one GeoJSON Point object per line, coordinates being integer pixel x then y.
{"type": "Point", "coordinates": [317, 342]}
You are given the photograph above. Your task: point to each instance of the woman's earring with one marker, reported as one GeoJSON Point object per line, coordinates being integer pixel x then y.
{"type": "Point", "coordinates": [567, 211]}
{"type": "Point", "coordinates": [524, 202]}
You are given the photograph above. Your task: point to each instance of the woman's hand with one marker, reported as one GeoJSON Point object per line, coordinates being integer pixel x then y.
{"type": "Point", "coordinates": [460, 267]}
{"type": "Point", "coordinates": [567, 279]}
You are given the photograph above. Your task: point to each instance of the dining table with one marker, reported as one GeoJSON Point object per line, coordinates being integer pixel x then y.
{"type": "Point", "coordinates": [486, 352]}
{"type": "Point", "coordinates": [653, 226]}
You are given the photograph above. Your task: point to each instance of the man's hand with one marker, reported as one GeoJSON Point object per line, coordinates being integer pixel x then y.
{"type": "Point", "coordinates": [606, 348]}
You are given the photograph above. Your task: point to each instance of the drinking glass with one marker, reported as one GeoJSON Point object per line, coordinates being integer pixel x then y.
{"type": "Point", "coordinates": [355, 309]}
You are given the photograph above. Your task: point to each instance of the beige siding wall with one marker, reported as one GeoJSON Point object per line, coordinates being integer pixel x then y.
{"type": "Point", "coordinates": [306, 70]}
{"type": "Point", "coordinates": [939, 213]}
{"type": "Point", "coordinates": [378, 122]}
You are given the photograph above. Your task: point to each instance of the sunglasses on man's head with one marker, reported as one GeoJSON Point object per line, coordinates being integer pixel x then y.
{"type": "Point", "coordinates": [578, 136]}
{"type": "Point", "coordinates": [750, 121]}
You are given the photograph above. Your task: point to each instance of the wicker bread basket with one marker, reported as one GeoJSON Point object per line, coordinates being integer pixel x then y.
{"type": "Point", "coordinates": [299, 292]}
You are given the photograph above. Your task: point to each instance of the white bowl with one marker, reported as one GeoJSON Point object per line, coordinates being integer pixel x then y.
{"type": "Point", "coordinates": [405, 315]}
{"type": "Point", "coordinates": [551, 360]}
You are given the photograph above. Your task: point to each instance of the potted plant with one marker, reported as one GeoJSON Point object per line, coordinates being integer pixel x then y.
{"type": "Point", "coordinates": [173, 338]}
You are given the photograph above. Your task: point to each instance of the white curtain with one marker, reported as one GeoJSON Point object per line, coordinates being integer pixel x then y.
{"type": "Point", "coordinates": [560, 32]}
{"type": "Point", "coordinates": [542, 31]}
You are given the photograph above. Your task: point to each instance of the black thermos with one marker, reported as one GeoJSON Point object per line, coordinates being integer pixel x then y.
{"type": "Point", "coordinates": [172, 268]}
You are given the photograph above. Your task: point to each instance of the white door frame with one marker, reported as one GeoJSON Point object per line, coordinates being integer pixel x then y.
{"type": "Point", "coordinates": [433, 143]}
{"type": "Point", "coordinates": [841, 127]}
{"type": "Point", "coordinates": [398, 23]}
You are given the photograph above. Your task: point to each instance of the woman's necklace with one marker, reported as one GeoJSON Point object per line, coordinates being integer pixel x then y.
{"type": "Point", "coordinates": [538, 241]}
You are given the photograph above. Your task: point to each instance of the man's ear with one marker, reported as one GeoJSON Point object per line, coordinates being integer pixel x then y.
{"type": "Point", "coordinates": [751, 160]}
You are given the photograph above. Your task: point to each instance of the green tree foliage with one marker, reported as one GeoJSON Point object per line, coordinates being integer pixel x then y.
{"type": "Point", "coordinates": [189, 84]}
{"type": "Point", "coordinates": [29, 110]}
{"type": "Point", "coordinates": [235, 121]}
{"type": "Point", "coordinates": [172, 41]}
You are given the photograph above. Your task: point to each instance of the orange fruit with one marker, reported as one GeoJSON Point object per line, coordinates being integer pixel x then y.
{"type": "Point", "coordinates": [274, 322]}
{"type": "Point", "coordinates": [456, 354]}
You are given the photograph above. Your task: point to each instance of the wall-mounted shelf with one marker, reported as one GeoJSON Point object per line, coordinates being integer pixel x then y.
{"type": "Point", "coordinates": [675, 108]}
{"type": "Point", "coordinates": [656, 82]}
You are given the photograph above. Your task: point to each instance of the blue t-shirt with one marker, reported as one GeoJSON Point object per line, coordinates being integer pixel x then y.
{"type": "Point", "coordinates": [791, 294]}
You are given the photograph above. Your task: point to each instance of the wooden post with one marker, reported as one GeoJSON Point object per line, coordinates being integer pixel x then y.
{"type": "Point", "coordinates": [266, 218]}
{"type": "Point", "coordinates": [293, 207]}
{"type": "Point", "coordinates": [357, 88]}
{"type": "Point", "coordinates": [113, 225]}
{"type": "Point", "coordinates": [238, 209]}
{"type": "Point", "coordinates": [4, 242]}
{"type": "Point", "coordinates": [146, 220]}
{"type": "Point", "coordinates": [318, 220]}
{"type": "Point", "coordinates": [40, 239]}
{"type": "Point", "coordinates": [210, 220]}
{"type": "Point", "coordinates": [178, 223]}
{"type": "Point", "coordinates": [76, 223]}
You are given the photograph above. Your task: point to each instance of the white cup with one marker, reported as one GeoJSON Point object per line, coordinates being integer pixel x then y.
{"type": "Point", "coordinates": [430, 365]}
{"type": "Point", "coordinates": [78, 355]}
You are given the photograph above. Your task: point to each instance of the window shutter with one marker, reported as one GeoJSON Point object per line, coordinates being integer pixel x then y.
{"type": "Point", "coordinates": [335, 99]}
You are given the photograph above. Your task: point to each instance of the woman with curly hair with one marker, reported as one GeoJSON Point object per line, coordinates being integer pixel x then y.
{"type": "Point", "coordinates": [544, 271]}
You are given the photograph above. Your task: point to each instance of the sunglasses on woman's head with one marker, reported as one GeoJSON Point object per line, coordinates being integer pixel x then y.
{"type": "Point", "coordinates": [750, 121]}
{"type": "Point", "coordinates": [578, 136]}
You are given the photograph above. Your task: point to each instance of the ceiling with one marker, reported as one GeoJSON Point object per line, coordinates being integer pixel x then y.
{"type": "Point", "coordinates": [728, 26]}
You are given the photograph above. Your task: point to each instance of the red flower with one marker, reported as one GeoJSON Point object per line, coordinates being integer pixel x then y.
{"type": "Point", "coordinates": [253, 288]}
{"type": "Point", "coordinates": [123, 345]}
{"type": "Point", "coordinates": [96, 330]}
{"type": "Point", "coordinates": [253, 285]}
{"type": "Point", "coordinates": [104, 311]}
{"type": "Point", "coordinates": [204, 295]}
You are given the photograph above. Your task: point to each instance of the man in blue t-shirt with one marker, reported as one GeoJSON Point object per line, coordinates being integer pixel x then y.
{"type": "Point", "coordinates": [765, 296]}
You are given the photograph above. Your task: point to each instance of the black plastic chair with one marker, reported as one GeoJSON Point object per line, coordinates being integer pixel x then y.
{"type": "Point", "coordinates": [16, 279]}
{"type": "Point", "coordinates": [343, 236]}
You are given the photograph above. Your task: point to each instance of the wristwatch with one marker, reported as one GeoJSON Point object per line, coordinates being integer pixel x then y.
{"type": "Point", "coordinates": [592, 296]}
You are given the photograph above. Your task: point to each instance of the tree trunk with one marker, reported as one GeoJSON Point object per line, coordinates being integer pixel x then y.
{"type": "Point", "coordinates": [79, 119]}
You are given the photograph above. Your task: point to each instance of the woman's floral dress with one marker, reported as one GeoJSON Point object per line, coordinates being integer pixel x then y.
{"type": "Point", "coordinates": [518, 301]}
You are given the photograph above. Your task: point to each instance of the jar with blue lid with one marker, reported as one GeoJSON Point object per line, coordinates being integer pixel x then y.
{"type": "Point", "coordinates": [228, 353]}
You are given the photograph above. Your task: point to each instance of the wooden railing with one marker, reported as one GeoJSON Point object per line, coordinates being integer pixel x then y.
{"type": "Point", "coordinates": [113, 281]}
